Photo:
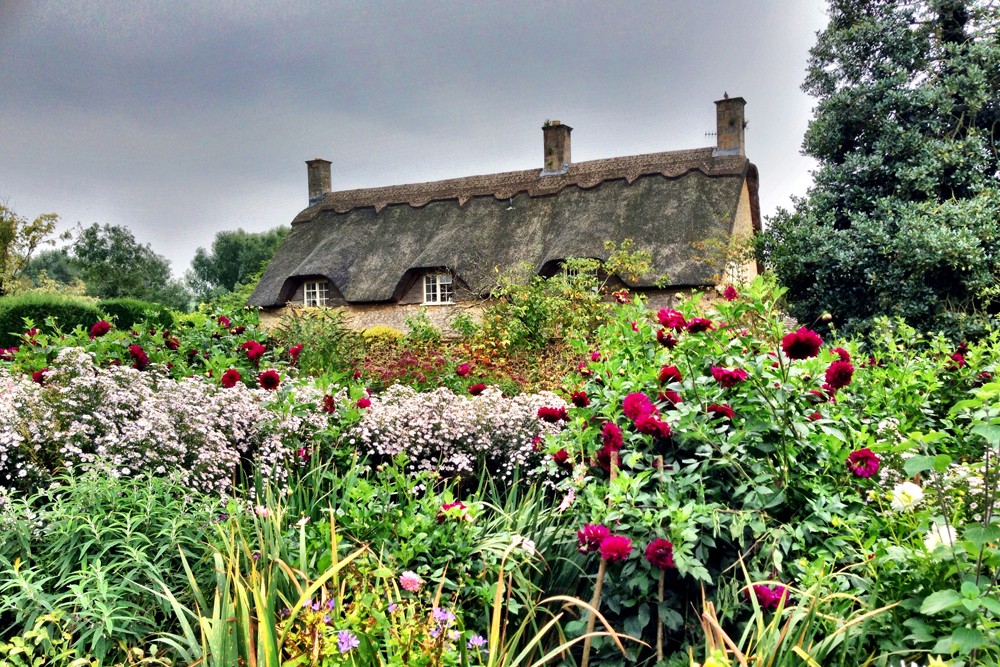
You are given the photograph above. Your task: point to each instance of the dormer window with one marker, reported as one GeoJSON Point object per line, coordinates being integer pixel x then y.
{"type": "Point", "coordinates": [315, 293]}
{"type": "Point", "coordinates": [438, 288]}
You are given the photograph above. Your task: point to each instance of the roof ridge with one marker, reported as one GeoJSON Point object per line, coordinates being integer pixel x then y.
{"type": "Point", "coordinates": [504, 185]}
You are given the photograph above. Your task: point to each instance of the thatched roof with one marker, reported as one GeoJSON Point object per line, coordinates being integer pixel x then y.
{"type": "Point", "coordinates": [369, 242]}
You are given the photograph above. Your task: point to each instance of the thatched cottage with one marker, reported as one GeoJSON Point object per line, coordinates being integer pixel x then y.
{"type": "Point", "coordinates": [382, 253]}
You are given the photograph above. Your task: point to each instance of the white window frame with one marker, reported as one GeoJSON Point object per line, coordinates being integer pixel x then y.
{"type": "Point", "coordinates": [439, 289]}
{"type": "Point", "coordinates": [315, 293]}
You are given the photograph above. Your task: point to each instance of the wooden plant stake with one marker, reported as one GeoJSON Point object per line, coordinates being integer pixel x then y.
{"type": "Point", "coordinates": [595, 601]}
{"type": "Point", "coordinates": [661, 593]}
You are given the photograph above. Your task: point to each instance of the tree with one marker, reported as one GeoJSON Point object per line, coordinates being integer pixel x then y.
{"type": "Point", "coordinates": [55, 263]}
{"type": "Point", "coordinates": [235, 256]}
{"type": "Point", "coordinates": [19, 239]}
{"type": "Point", "coordinates": [905, 208]}
{"type": "Point", "coordinates": [113, 264]}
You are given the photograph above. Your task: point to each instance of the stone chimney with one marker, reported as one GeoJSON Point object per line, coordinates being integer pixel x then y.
{"type": "Point", "coordinates": [556, 137]}
{"type": "Point", "coordinates": [729, 126]}
{"type": "Point", "coordinates": [319, 179]}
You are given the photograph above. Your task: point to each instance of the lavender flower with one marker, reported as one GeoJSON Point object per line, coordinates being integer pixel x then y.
{"type": "Point", "coordinates": [347, 640]}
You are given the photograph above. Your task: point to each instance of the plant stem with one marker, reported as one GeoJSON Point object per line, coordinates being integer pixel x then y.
{"type": "Point", "coordinates": [591, 617]}
{"type": "Point", "coordinates": [659, 621]}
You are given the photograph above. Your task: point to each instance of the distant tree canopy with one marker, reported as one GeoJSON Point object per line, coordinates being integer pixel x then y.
{"type": "Point", "coordinates": [234, 257]}
{"type": "Point", "coordinates": [113, 264]}
{"type": "Point", "coordinates": [19, 239]}
{"type": "Point", "coordinates": [904, 215]}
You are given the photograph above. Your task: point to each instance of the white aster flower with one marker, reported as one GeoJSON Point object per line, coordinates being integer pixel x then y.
{"type": "Point", "coordinates": [906, 496]}
{"type": "Point", "coordinates": [940, 534]}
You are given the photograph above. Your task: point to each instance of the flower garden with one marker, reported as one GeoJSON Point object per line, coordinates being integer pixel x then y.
{"type": "Point", "coordinates": [699, 486]}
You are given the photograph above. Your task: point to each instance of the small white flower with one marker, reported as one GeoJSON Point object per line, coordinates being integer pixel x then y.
{"type": "Point", "coordinates": [301, 522]}
{"type": "Point", "coordinates": [940, 535]}
{"type": "Point", "coordinates": [906, 496]}
{"type": "Point", "coordinates": [528, 546]}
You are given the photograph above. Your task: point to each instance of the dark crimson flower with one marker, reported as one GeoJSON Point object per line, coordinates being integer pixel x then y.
{"type": "Point", "coordinates": [456, 510]}
{"type": "Point", "coordinates": [816, 396]}
{"type": "Point", "coordinates": [980, 380]}
{"type": "Point", "coordinates": [604, 456]}
{"type": "Point", "coordinates": [636, 404]}
{"type": "Point", "coordinates": [552, 415]}
{"type": "Point", "coordinates": [253, 349]}
{"type": "Point", "coordinates": [863, 462]}
{"type": "Point", "coordinates": [721, 411]}
{"type": "Point", "coordinates": [816, 416]}
{"type": "Point", "coordinates": [303, 455]}
{"type": "Point", "coordinates": [357, 375]}
{"type": "Point", "coordinates": [477, 389]}
{"type": "Point", "coordinates": [839, 374]}
{"type": "Point", "coordinates": [611, 436]}
{"type": "Point", "coordinates": [730, 293]}
{"type": "Point", "coordinates": [7, 353]}
{"type": "Point", "coordinates": [364, 402]}
{"type": "Point", "coordinates": [699, 324]}
{"type": "Point", "coordinates": [223, 321]}
{"type": "Point", "coordinates": [230, 378]}
{"type": "Point", "coordinates": [615, 548]}
{"type": "Point", "coordinates": [670, 397]}
{"type": "Point", "coordinates": [590, 537]}
{"type": "Point", "coordinates": [801, 344]}
{"type": "Point", "coordinates": [583, 370]}
{"type": "Point", "coordinates": [651, 425]}
{"type": "Point", "coordinates": [294, 351]}
{"type": "Point", "coordinates": [270, 379]}
{"type": "Point", "coordinates": [660, 554]}
{"type": "Point", "coordinates": [595, 356]}
{"type": "Point", "coordinates": [841, 353]}
{"type": "Point", "coordinates": [562, 459]}
{"type": "Point", "coordinates": [329, 404]}
{"type": "Point", "coordinates": [139, 357]}
{"type": "Point", "coordinates": [462, 370]}
{"type": "Point", "coordinates": [622, 296]}
{"type": "Point", "coordinates": [670, 319]}
{"type": "Point", "coordinates": [39, 375]}
{"type": "Point", "coordinates": [99, 329]}
{"type": "Point", "coordinates": [580, 399]}
{"type": "Point", "coordinates": [670, 374]}
{"type": "Point", "coordinates": [172, 343]}
{"type": "Point", "coordinates": [957, 360]}
{"type": "Point", "coordinates": [666, 339]}
{"type": "Point", "coordinates": [770, 597]}
{"type": "Point", "coordinates": [729, 377]}
{"type": "Point", "coordinates": [236, 331]}
{"type": "Point", "coordinates": [963, 347]}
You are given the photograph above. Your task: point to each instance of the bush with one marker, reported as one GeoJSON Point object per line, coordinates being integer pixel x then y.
{"type": "Point", "coordinates": [67, 313]}
{"type": "Point", "coordinates": [126, 313]}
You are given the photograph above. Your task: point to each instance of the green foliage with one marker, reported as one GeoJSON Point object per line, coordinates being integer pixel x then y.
{"type": "Point", "coordinates": [422, 331]}
{"type": "Point", "coordinates": [55, 263]}
{"type": "Point", "coordinates": [86, 547]}
{"type": "Point", "coordinates": [903, 216]}
{"type": "Point", "coordinates": [328, 345]}
{"type": "Point", "coordinates": [19, 239]}
{"type": "Point", "coordinates": [235, 257]}
{"type": "Point", "coordinates": [113, 264]}
{"type": "Point", "coordinates": [67, 312]}
{"type": "Point", "coordinates": [129, 312]}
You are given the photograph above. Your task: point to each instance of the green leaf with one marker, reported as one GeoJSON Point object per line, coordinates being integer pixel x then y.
{"type": "Point", "coordinates": [967, 639]}
{"type": "Point", "coordinates": [970, 590]}
{"type": "Point", "coordinates": [918, 464]}
{"type": "Point", "coordinates": [989, 432]}
{"type": "Point", "coordinates": [941, 462]}
{"type": "Point", "coordinates": [980, 535]}
{"type": "Point", "coordinates": [939, 601]}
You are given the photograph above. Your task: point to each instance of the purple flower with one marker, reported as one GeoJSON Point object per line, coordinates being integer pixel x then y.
{"type": "Point", "coordinates": [347, 640]}
{"type": "Point", "coordinates": [476, 641]}
{"type": "Point", "coordinates": [442, 616]}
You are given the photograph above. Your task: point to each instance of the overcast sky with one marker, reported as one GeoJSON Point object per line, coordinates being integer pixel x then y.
{"type": "Point", "coordinates": [182, 119]}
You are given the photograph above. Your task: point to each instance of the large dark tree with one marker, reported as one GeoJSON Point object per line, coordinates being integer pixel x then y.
{"type": "Point", "coordinates": [903, 218]}
{"type": "Point", "coordinates": [235, 256]}
{"type": "Point", "coordinates": [113, 264]}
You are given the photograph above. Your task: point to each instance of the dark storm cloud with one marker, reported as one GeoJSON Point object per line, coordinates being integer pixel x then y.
{"type": "Point", "coordinates": [183, 119]}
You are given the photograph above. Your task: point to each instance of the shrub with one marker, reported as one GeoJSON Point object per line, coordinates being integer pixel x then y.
{"type": "Point", "coordinates": [129, 312]}
{"type": "Point", "coordinates": [328, 345]}
{"type": "Point", "coordinates": [66, 312]}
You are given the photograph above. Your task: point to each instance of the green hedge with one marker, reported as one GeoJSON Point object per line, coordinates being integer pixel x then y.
{"type": "Point", "coordinates": [67, 311]}
{"type": "Point", "coordinates": [127, 312]}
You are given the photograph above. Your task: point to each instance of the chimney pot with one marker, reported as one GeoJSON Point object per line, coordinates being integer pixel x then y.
{"type": "Point", "coordinates": [319, 179]}
{"type": "Point", "coordinates": [730, 126]}
{"type": "Point", "coordinates": [557, 148]}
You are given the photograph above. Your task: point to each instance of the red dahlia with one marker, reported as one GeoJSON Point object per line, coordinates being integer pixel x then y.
{"type": "Point", "coordinates": [615, 548]}
{"type": "Point", "coordinates": [580, 399]}
{"type": "Point", "coordinates": [670, 374]}
{"type": "Point", "coordinates": [670, 319]}
{"type": "Point", "coordinates": [636, 404]}
{"type": "Point", "coordinates": [699, 324]}
{"type": "Point", "coordinates": [801, 344]}
{"type": "Point", "coordinates": [230, 378]}
{"type": "Point", "coordinates": [660, 554]}
{"type": "Point", "coordinates": [589, 538]}
{"type": "Point", "coordinates": [729, 377]}
{"type": "Point", "coordinates": [100, 328]}
{"type": "Point", "coordinates": [863, 462]}
{"type": "Point", "coordinates": [839, 374]}
{"type": "Point", "coordinates": [270, 379]}
{"type": "Point", "coordinates": [477, 389]}
{"type": "Point", "coordinates": [552, 415]}
{"type": "Point", "coordinates": [721, 411]}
